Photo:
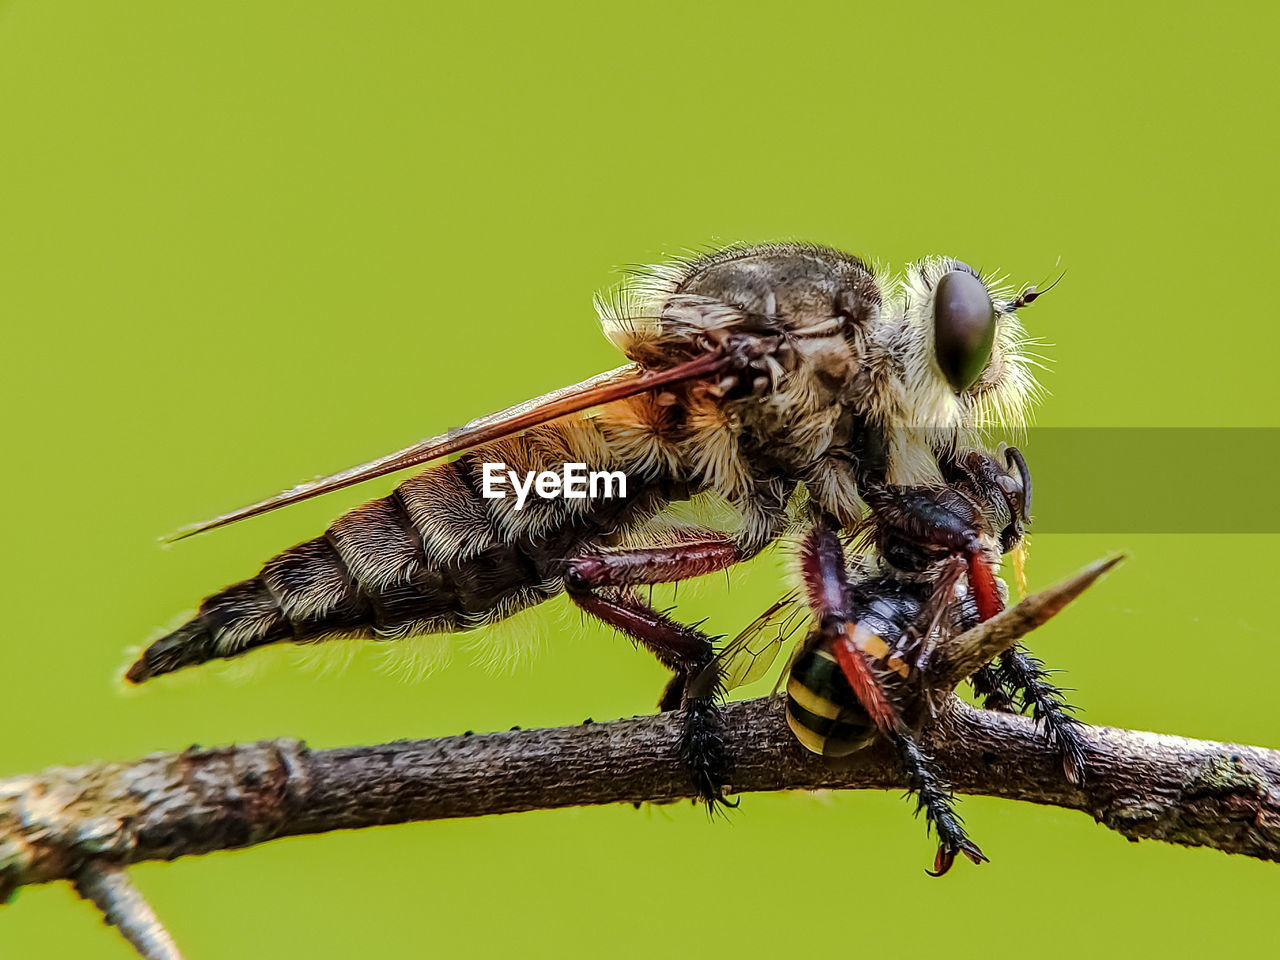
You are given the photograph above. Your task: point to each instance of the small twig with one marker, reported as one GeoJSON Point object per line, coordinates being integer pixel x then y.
{"type": "Point", "coordinates": [122, 907]}
{"type": "Point", "coordinates": [963, 655]}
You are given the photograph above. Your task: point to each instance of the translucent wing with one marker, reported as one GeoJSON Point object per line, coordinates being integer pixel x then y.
{"type": "Point", "coordinates": [618, 384]}
{"type": "Point", "coordinates": [749, 655]}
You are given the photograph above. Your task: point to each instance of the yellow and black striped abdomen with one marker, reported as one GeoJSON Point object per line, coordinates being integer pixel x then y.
{"type": "Point", "coordinates": [822, 710]}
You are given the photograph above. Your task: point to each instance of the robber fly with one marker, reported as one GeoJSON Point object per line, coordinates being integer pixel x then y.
{"type": "Point", "coordinates": [790, 381]}
{"type": "Point", "coordinates": [861, 672]}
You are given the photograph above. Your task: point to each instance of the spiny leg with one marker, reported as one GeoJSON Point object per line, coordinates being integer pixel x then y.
{"type": "Point", "coordinates": [705, 552]}
{"type": "Point", "coordinates": [988, 685]}
{"type": "Point", "coordinates": [687, 653]}
{"type": "Point", "coordinates": [827, 581]}
{"type": "Point", "coordinates": [934, 797]}
{"type": "Point", "coordinates": [824, 572]}
{"type": "Point", "coordinates": [988, 682]}
{"type": "Point", "coordinates": [684, 651]}
{"type": "Point", "coordinates": [1024, 674]}
{"type": "Point", "coordinates": [1022, 671]}
{"type": "Point", "coordinates": [1018, 682]}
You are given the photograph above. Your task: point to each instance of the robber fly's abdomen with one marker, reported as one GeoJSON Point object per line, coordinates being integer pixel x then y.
{"type": "Point", "coordinates": [822, 709]}
{"type": "Point", "coordinates": [434, 556]}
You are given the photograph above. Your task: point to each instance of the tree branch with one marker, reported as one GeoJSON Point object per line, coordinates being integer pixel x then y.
{"type": "Point", "coordinates": [1143, 785]}
{"type": "Point", "coordinates": [74, 823]}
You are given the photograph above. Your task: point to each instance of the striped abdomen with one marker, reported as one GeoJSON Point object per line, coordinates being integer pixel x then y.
{"type": "Point", "coordinates": [433, 556]}
{"type": "Point", "coordinates": [822, 709]}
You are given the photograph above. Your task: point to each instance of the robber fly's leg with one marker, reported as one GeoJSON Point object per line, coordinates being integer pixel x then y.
{"type": "Point", "coordinates": [989, 685]}
{"type": "Point", "coordinates": [822, 566]}
{"type": "Point", "coordinates": [686, 652]}
{"type": "Point", "coordinates": [923, 522]}
{"type": "Point", "coordinates": [1025, 674]}
{"type": "Point", "coordinates": [934, 797]}
{"type": "Point", "coordinates": [1018, 680]}
{"type": "Point", "coordinates": [641, 566]}
{"type": "Point", "coordinates": [825, 578]}
{"type": "Point", "coordinates": [988, 682]}
{"type": "Point", "coordinates": [660, 564]}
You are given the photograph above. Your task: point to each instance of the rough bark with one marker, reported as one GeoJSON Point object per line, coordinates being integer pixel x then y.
{"type": "Point", "coordinates": [1143, 785]}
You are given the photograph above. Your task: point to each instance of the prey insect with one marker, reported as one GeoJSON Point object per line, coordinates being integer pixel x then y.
{"type": "Point", "coordinates": [790, 382]}
{"type": "Point", "coordinates": [862, 670]}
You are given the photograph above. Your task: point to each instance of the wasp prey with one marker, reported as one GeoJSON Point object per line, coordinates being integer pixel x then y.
{"type": "Point", "coordinates": [862, 672]}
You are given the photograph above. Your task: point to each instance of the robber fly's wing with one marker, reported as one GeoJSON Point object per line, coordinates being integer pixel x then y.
{"type": "Point", "coordinates": [626, 381]}
{"type": "Point", "coordinates": [749, 655]}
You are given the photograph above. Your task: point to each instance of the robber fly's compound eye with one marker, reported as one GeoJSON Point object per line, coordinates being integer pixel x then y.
{"type": "Point", "coordinates": [964, 327]}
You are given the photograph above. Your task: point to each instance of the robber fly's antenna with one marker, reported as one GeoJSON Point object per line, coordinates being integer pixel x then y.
{"type": "Point", "coordinates": [1032, 293]}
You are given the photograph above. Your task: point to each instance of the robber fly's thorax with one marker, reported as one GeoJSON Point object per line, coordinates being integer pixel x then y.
{"type": "Point", "coordinates": [812, 311]}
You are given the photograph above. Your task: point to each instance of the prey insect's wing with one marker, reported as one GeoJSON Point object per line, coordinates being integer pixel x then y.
{"type": "Point", "coordinates": [749, 655]}
{"type": "Point", "coordinates": [626, 381]}
{"type": "Point", "coordinates": [939, 607]}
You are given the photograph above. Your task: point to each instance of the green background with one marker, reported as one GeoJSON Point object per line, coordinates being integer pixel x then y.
{"type": "Point", "coordinates": [245, 243]}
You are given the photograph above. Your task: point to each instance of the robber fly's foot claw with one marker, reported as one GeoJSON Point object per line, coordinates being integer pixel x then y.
{"type": "Point", "coordinates": [947, 851]}
{"type": "Point", "coordinates": [1064, 734]}
{"type": "Point", "coordinates": [1073, 764]}
{"type": "Point", "coordinates": [942, 861]}
{"type": "Point", "coordinates": [1071, 745]}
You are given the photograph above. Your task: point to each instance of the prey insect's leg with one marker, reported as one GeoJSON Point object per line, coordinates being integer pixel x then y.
{"type": "Point", "coordinates": [1025, 675]}
{"type": "Point", "coordinates": [823, 568]}
{"type": "Point", "coordinates": [686, 652]}
{"type": "Point", "coordinates": [934, 797]}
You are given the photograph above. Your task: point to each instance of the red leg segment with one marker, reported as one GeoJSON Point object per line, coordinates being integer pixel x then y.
{"type": "Point", "coordinates": [856, 669]}
{"type": "Point", "coordinates": [982, 580]}
{"type": "Point", "coordinates": [645, 565]}
{"type": "Point", "coordinates": [822, 567]}
{"type": "Point", "coordinates": [680, 649]}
